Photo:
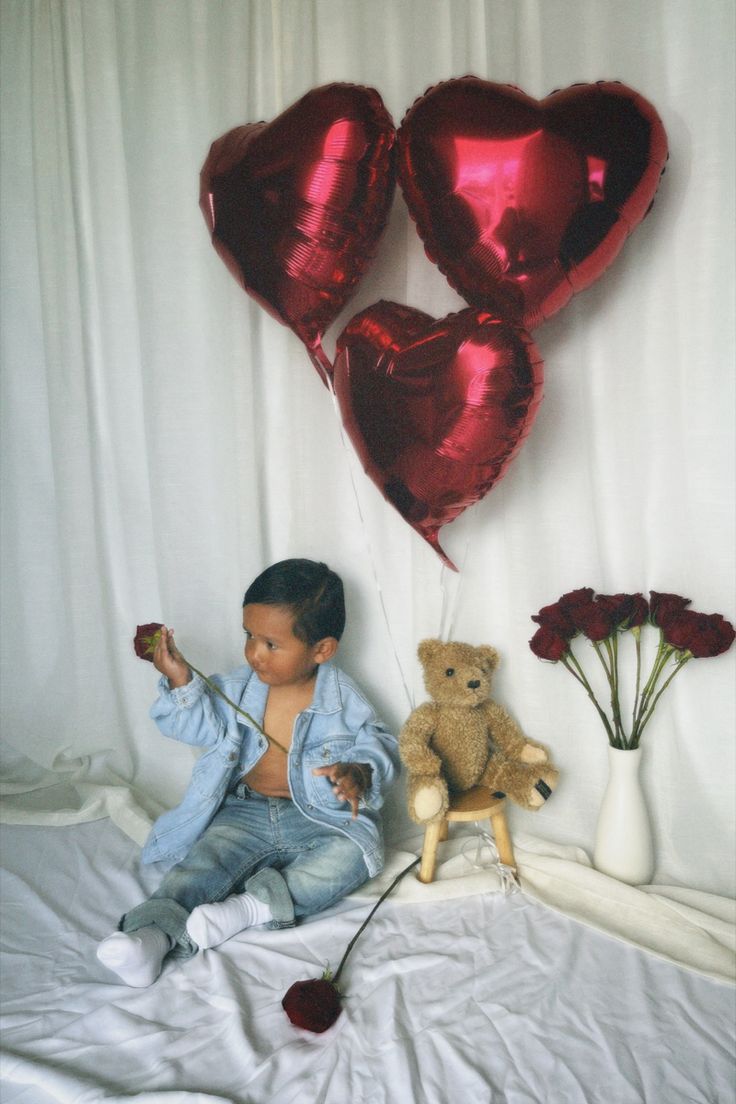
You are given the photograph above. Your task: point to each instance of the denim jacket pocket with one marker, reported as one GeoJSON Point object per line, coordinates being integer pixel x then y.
{"type": "Point", "coordinates": [335, 749]}
{"type": "Point", "coordinates": [209, 779]}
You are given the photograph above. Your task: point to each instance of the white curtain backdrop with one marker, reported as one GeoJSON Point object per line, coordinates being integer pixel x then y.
{"type": "Point", "coordinates": [164, 438]}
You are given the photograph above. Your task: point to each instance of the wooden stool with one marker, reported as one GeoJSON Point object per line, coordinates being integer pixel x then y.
{"type": "Point", "coordinates": [476, 804]}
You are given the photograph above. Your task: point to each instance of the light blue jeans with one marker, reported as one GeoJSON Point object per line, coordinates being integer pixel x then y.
{"type": "Point", "coordinates": [260, 845]}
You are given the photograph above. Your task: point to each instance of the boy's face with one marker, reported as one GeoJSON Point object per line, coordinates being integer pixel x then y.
{"type": "Point", "coordinates": [277, 656]}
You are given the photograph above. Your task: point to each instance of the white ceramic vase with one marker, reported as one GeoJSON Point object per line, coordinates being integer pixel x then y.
{"type": "Point", "coordinates": [623, 839]}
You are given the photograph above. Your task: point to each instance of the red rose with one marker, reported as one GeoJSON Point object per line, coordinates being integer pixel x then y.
{"type": "Point", "coordinates": [146, 639]}
{"type": "Point", "coordinates": [639, 610]}
{"type": "Point", "coordinates": [574, 599]}
{"type": "Point", "coordinates": [592, 619]}
{"type": "Point", "coordinates": [627, 611]}
{"type": "Point", "coordinates": [556, 620]}
{"type": "Point", "coordinates": [547, 644]}
{"type": "Point", "coordinates": [683, 635]}
{"type": "Point", "coordinates": [701, 634]}
{"type": "Point", "coordinates": [662, 606]}
{"type": "Point", "coordinates": [314, 1005]}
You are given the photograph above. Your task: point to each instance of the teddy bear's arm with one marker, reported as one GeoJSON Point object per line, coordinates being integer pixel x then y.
{"type": "Point", "coordinates": [508, 738]}
{"type": "Point", "coordinates": [414, 738]}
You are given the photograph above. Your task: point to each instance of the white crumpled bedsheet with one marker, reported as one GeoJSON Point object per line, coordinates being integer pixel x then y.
{"type": "Point", "coordinates": [454, 991]}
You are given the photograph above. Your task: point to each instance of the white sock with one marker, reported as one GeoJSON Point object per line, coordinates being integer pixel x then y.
{"type": "Point", "coordinates": [136, 957]}
{"type": "Point", "coordinates": [210, 925]}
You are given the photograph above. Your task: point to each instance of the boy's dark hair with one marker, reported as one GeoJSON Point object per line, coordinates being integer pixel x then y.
{"type": "Point", "coordinates": [310, 591]}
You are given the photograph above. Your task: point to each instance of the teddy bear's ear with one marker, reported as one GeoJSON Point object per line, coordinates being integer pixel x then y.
{"type": "Point", "coordinates": [427, 649]}
{"type": "Point", "coordinates": [489, 656]}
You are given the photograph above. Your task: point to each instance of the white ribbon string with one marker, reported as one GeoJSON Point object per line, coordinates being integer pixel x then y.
{"type": "Point", "coordinates": [507, 875]}
{"type": "Point", "coordinates": [350, 461]}
{"type": "Point", "coordinates": [448, 612]}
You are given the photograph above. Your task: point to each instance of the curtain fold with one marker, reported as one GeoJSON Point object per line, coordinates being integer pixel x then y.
{"type": "Point", "coordinates": [164, 438]}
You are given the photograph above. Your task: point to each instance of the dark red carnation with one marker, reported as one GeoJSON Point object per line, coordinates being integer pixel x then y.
{"type": "Point", "coordinates": [547, 644]}
{"type": "Point", "coordinates": [313, 1005]}
{"type": "Point", "coordinates": [146, 638]}
{"type": "Point", "coordinates": [702, 634]}
{"type": "Point", "coordinates": [663, 606]}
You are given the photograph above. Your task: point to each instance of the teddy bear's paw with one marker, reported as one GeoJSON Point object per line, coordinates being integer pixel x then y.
{"type": "Point", "coordinates": [530, 753]}
{"type": "Point", "coordinates": [428, 803]}
{"type": "Point", "coordinates": [542, 788]}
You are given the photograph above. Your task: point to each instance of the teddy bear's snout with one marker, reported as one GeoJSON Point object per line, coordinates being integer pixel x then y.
{"type": "Point", "coordinates": [474, 684]}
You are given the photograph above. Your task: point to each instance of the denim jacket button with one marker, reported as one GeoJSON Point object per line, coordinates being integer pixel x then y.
{"type": "Point", "coordinates": [232, 757]}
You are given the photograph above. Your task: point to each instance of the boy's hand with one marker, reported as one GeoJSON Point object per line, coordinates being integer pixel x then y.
{"type": "Point", "coordinates": [349, 781]}
{"type": "Point", "coordinates": [169, 661]}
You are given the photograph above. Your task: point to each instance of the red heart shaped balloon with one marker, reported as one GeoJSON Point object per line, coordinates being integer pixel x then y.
{"type": "Point", "coordinates": [435, 409]}
{"type": "Point", "coordinates": [296, 206]}
{"type": "Point", "coordinates": [523, 202]}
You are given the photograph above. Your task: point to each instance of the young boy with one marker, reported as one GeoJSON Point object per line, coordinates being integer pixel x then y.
{"type": "Point", "coordinates": [272, 828]}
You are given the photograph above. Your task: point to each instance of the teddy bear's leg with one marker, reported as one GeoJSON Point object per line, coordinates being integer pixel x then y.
{"type": "Point", "coordinates": [544, 784]}
{"type": "Point", "coordinates": [528, 785]}
{"type": "Point", "coordinates": [427, 799]}
{"type": "Point", "coordinates": [534, 753]}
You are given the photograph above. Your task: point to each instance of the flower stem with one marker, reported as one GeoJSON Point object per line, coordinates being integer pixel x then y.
{"type": "Point", "coordinates": [664, 651]}
{"type": "Point", "coordinates": [612, 674]}
{"type": "Point", "coordinates": [637, 637]}
{"type": "Point", "coordinates": [216, 690]}
{"type": "Point", "coordinates": [645, 719]}
{"type": "Point", "coordinates": [580, 676]}
{"type": "Point", "coordinates": [380, 900]}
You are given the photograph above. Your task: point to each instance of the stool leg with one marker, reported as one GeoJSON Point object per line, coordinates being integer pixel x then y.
{"type": "Point", "coordinates": [429, 851]}
{"type": "Point", "coordinates": [503, 839]}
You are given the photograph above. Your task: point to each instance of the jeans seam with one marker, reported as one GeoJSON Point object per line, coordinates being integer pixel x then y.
{"type": "Point", "coordinates": [243, 871]}
{"type": "Point", "coordinates": [342, 893]}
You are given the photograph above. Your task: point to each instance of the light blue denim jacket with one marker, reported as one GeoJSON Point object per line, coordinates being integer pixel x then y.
{"type": "Point", "coordinates": [338, 726]}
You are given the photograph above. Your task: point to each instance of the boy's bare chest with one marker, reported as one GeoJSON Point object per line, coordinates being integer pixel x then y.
{"type": "Point", "coordinates": [269, 776]}
{"type": "Point", "coordinates": [282, 709]}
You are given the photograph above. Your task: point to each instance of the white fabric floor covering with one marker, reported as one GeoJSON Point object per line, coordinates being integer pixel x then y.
{"type": "Point", "coordinates": [687, 927]}
{"type": "Point", "coordinates": [453, 991]}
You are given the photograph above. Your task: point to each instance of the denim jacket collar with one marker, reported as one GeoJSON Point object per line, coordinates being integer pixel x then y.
{"type": "Point", "coordinates": [326, 697]}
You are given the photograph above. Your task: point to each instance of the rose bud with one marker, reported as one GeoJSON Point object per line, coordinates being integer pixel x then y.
{"type": "Point", "coordinates": [703, 635]}
{"type": "Point", "coordinates": [547, 644]}
{"type": "Point", "coordinates": [313, 1005]}
{"type": "Point", "coordinates": [664, 606]}
{"type": "Point", "coordinates": [628, 611]}
{"type": "Point", "coordinates": [146, 639]}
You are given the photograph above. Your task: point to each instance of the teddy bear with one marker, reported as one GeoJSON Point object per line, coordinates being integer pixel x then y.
{"type": "Point", "coordinates": [462, 738]}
